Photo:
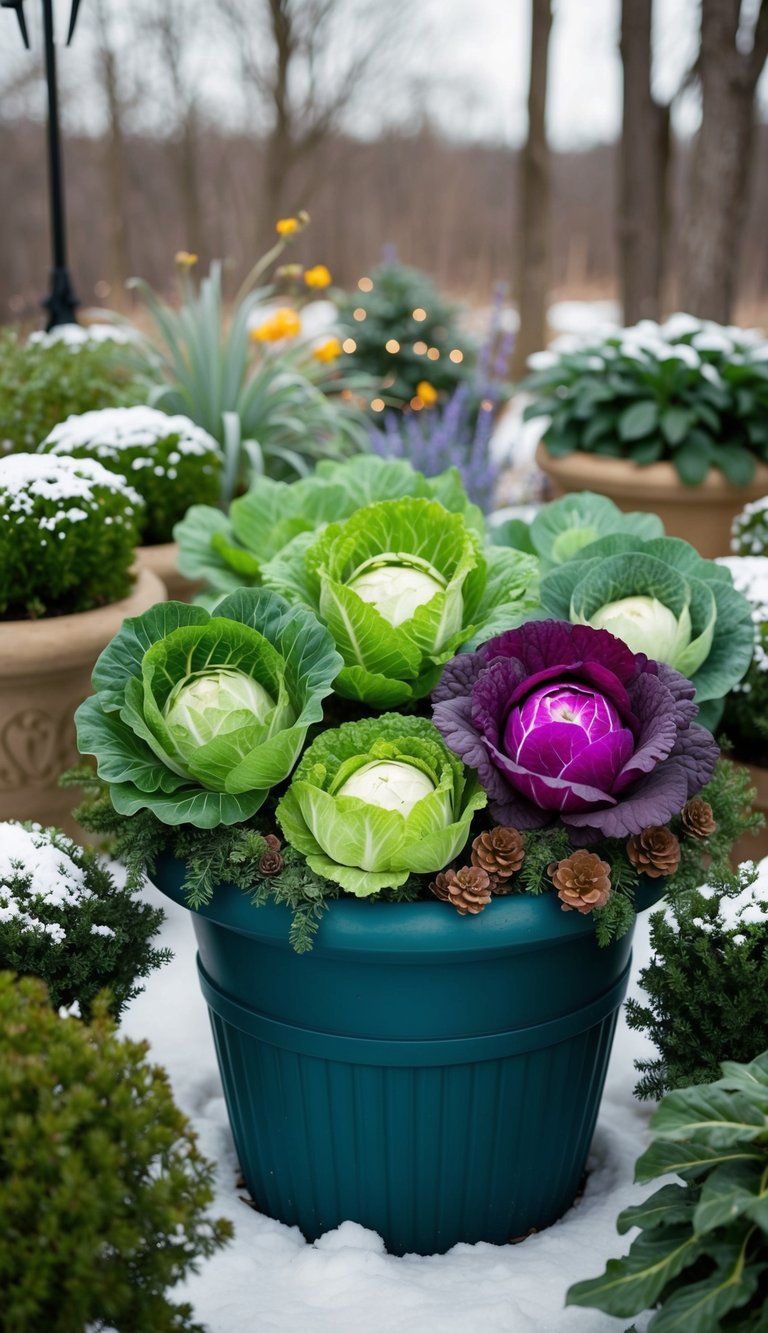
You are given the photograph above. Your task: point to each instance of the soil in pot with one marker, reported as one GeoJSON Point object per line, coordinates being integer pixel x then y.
{"type": "Point", "coordinates": [45, 672]}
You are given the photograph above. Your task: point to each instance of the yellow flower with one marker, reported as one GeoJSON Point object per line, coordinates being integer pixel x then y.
{"type": "Point", "coordinates": [284, 323]}
{"type": "Point", "coordinates": [328, 351]}
{"type": "Point", "coordinates": [427, 393]}
{"type": "Point", "coordinates": [287, 226]}
{"type": "Point", "coordinates": [185, 260]}
{"type": "Point", "coordinates": [318, 277]}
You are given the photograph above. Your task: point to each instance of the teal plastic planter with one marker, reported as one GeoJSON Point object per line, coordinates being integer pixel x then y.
{"type": "Point", "coordinates": [434, 1077]}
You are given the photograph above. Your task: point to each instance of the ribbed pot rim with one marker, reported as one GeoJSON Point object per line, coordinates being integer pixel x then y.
{"type": "Point", "coordinates": [52, 644]}
{"type": "Point", "coordinates": [520, 922]}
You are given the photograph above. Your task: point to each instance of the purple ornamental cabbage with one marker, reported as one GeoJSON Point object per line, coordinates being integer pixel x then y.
{"type": "Point", "coordinates": [564, 721]}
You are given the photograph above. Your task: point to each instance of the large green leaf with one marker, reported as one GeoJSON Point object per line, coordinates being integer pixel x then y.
{"type": "Point", "coordinates": [566, 526]}
{"type": "Point", "coordinates": [689, 1160]}
{"type": "Point", "coordinates": [638, 420]}
{"type": "Point", "coordinates": [709, 1114]}
{"type": "Point", "coordinates": [123, 656]}
{"type": "Point", "coordinates": [636, 1282]}
{"type": "Point", "coordinates": [699, 1307]}
{"type": "Point", "coordinates": [732, 1190]}
{"type": "Point", "coordinates": [669, 1205]}
{"type": "Point", "coordinates": [751, 1078]}
{"type": "Point", "coordinates": [205, 548]}
{"type": "Point", "coordinates": [203, 809]}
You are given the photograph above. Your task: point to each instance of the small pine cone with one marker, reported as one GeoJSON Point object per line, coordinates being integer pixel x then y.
{"type": "Point", "coordinates": [273, 842]}
{"type": "Point", "coordinates": [697, 818]}
{"type": "Point", "coordinates": [654, 852]}
{"type": "Point", "coordinates": [440, 885]}
{"type": "Point", "coordinates": [500, 853]}
{"type": "Point", "coordinates": [467, 889]}
{"type": "Point", "coordinates": [582, 880]}
{"type": "Point", "coordinates": [271, 863]}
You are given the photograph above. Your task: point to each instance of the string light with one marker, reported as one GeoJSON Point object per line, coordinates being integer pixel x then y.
{"type": "Point", "coordinates": [392, 345]}
{"type": "Point", "coordinates": [420, 348]}
{"type": "Point", "coordinates": [419, 314]}
{"type": "Point", "coordinates": [349, 345]}
{"type": "Point", "coordinates": [366, 284]}
{"type": "Point", "coordinates": [377, 404]}
{"type": "Point", "coordinates": [360, 313]}
{"type": "Point", "coordinates": [456, 356]}
{"type": "Point", "coordinates": [433, 354]}
{"type": "Point", "coordinates": [416, 404]}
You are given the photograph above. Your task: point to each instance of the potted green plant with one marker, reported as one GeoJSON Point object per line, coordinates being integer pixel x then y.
{"type": "Point", "coordinates": [422, 923]}
{"type": "Point", "coordinates": [170, 461]}
{"type": "Point", "coordinates": [68, 532]}
{"type": "Point", "coordinates": [670, 418]}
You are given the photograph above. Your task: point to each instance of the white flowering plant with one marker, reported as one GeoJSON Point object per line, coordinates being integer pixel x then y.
{"type": "Point", "coordinates": [689, 391]}
{"type": "Point", "coordinates": [170, 461]}
{"type": "Point", "coordinates": [64, 919]}
{"type": "Point", "coordinates": [745, 719]}
{"type": "Point", "coordinates": [68, 532]}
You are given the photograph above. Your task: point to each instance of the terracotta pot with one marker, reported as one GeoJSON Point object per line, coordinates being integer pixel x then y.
{"type": "Point", "coordinates": [754, 846]}
{"type": "Point", "coordinates": [702, 515]}
{"type": "Point", "coordinates": [45, 672]}
{"type": "Point", "coordinates": [162, 560]}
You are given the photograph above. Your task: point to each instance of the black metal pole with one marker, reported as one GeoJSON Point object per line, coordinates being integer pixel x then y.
{"type": "Point", "coordinates": [61, 303]}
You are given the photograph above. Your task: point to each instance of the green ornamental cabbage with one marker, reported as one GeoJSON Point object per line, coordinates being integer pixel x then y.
{"type": "Point", "coordinates": [196, 716]}
{"type": "Point", "coordinates": [402, 585]}
{"type": "Point", "coordinates": [563, 527]}
{"type": "Point", "coordinates": [663, 599]}
{"type": "Point", "coordinates": [374, 801]}
{"type": "Point", "coordinates": [229, 550]}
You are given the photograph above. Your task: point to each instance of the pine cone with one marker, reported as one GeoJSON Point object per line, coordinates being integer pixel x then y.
{"type": "Point", "coordinates": [467, 889]}
{"type": "Point", "coordinates": [654, 852]}
{"type": "Point", "coordinates": [582, 880]}
{"type": "Point", "coordinates": [271, 863]}
{"type": "Point", "coordinates": [499, 852]}
{"type": "Point", "coordinates": [697, 818]}
{"type": "Point", "coordinates": [273, 842]}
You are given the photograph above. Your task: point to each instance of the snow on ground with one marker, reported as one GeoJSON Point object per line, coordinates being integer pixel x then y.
{"type": "Point", "coordinates": [269, 1280]}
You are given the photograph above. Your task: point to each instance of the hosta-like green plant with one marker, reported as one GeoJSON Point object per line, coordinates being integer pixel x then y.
{"type": "Point", "coordinates": [664, 600]}
{"type": "Point", "coordinates": [564, 527]}
{"type": "Point", "coordinates": [376, 801]}
{"type": "Point", "coordinates": [229, 550]}
{"type": "Point", "coordinates": [196, 717]}
{"type": "Point", "coordinates": [701, 1258]}
{"type": "Point", "coordinates": [402, 585]}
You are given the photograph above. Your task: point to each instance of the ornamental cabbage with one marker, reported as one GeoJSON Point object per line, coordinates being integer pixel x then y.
{"type": "Point", "coordinates": [663, 599]}
{"type": "Point", "coordinates": [196, 716]}
{"type": "Point", "coordinates": [565, 722]}
{"type": "Point", "coordinates": [563, 527]}
{"type": "Point", "coordinates": [401, 585]}
{"type": "Point", "coordinates": [375, 801]}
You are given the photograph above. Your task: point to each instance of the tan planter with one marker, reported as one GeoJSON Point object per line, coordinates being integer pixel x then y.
{"type": "Point", "coordinates": [45, 672]}
{"type": "Point", "coordinates": [754, 846]}
{"type": "Point", "coordinates": [702, 515]}
{"type": "Point", "coordinates": [162, 560]}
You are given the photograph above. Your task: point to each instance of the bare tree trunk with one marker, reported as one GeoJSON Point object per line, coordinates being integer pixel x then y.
{"type": "Point", "coordinates": [643, 162]}
{"type": "Point", "coordinates": [534, 248]}
{"type": "Point", "coordinates": [721, 167]}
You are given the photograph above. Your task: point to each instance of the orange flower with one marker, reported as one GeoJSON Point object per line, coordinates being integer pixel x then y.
{"type": "Point", "coordinates": [328, 352]}
{"type": "Point", "coordinates": [284, 323]}
{"type": "Point", "coordinates": [318, 277]}
{"type": "Point", "coordinates": [287, 226]}
{"type": "Point", "coordinates": [185, 260]}
{"type": "Point", "coordinates": [427, 393]}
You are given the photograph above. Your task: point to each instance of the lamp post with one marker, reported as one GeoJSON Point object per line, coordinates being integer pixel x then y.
{"type": "Point", "coordinates": [61, 302]}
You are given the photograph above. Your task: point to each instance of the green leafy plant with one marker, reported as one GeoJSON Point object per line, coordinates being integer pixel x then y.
{"type": "Point", "coordinates": [229, 550]}
{"type": "Point", "coordinates": [562, 528]}
{"type": "Point", "coordinates": [170, 461]}
{"type": "Point", "coordinates": [64, 919]}
{"type": "Point", "coordinates": [688, 391]}
{"type": "Point", "coordinates": [42, 384]}
{"type": "Point", "coordinates": [103, 1191]}
{"type": "Point", "coordinates": [400, 305]}
{"type": "Point", "coordinates": [699, 1261]}
{"type": "Point", "coordinates": [196, 716]}
{"type": "Point", "coordinates": [662, 599]}
{"type": "Point", "coordinates": [705, 986]}
{"type": "Point", "coordinates": [401, 585]}
{"type": "Point", "coordinates": [256, 396]}
{"type": "Point", "coordinates": [375, 801]}
{"type": "Point", "coordinates": [68, 532]}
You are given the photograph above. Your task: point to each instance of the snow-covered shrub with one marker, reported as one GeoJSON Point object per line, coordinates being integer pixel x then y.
{"type": "Point", "coordinates": [745, 719]}
{"type": "Point", "coordinates": [706, 985]}
{"type": "Point", "coordinates": [103, 1192]}
{"type": "Point", "coordinates": [64, 919]}
{"type": "Point", "coordinates": [68, 529]}
{"type": "Point", "coordinates": [44, 380]}
{"type": "Point", "coordinates": [749, 531]}
{"type": "Point", "coordinates": [171, 462]}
